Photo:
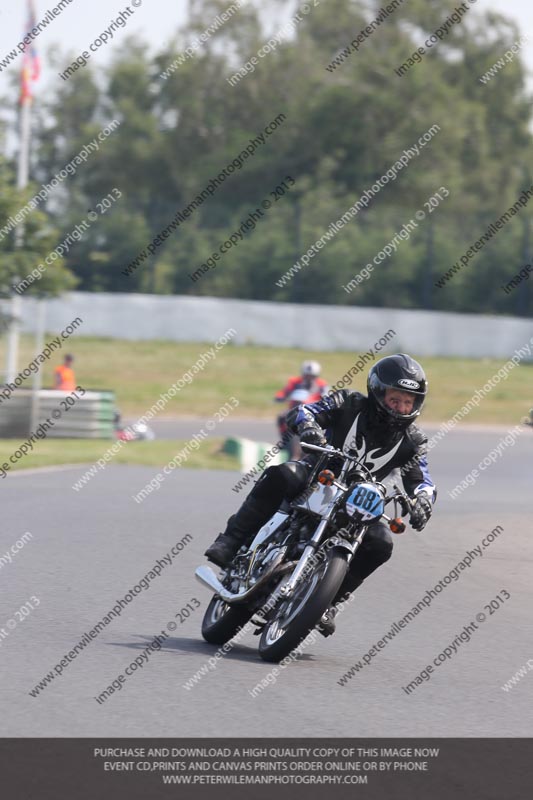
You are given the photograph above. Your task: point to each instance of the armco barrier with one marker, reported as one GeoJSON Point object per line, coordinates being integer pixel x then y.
{"type": "Point", "coordinates": [91, 416]}
{"type": "Point", "coordinates": [352, 328]}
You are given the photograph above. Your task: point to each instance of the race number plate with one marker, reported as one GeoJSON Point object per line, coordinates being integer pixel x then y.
{"type": "Point", "coordinates": [365, 502]}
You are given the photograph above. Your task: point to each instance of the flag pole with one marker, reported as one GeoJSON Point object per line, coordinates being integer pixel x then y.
{"type": "Point", "coordinates": [22, 182]}
{"type": "Point", "coordinates": [30, 72]}
{"type": "Point", "coordinates": [24, 151]}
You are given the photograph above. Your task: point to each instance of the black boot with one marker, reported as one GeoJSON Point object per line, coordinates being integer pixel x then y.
{"type": "Point", "coordinates": [240, 530]}
{"type": "Point", "coordinates": [224, 547]}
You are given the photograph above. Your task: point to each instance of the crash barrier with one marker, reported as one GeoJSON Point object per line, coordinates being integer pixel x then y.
{"type": "Point", "coordinates": [88, 417]}
{"type": "Point", "coordinates": [313, 327]}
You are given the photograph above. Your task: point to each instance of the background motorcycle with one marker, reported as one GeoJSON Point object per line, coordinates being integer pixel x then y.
{"type": "Point", "coordinates": [287, 578]}
{"type": "Point", "coordinates": [528, 420]}
{"type": "Point", "coordinates": [137, 432]}
{"type": "Point", "coordinates": [291, 443]}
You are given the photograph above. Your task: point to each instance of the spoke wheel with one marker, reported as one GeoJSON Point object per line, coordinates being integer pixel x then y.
{"type": "Point", "coordinates": [222, 621]}
{"type": "Point", "coordinates": [296, 617]}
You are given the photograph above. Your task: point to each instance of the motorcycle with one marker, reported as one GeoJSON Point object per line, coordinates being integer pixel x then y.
{"type": "Point", "coordinates": [288, 576]}
{"type": "Point", "coordinates": [528, 420]}
{"type": "Point", "coordinates": [137, 432]}
{"type": "Point", "coordinates": [290, 442]}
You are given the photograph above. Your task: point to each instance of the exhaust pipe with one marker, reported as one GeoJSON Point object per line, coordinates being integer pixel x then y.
{"type": "Point", "coordinates": [207, 577]}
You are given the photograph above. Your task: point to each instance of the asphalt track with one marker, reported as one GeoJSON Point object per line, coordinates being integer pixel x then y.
{"type": "Point", "coordinates": [260, 430]}
{"type": "Point", "coordinates": [90, 547]}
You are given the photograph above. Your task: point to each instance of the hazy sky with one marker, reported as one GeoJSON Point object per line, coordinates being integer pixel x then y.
{"type": "Point", "coordinates": [83, 20]}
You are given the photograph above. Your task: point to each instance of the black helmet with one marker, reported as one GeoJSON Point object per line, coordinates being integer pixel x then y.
{"type": "Point", "coordinates": [396, 372]}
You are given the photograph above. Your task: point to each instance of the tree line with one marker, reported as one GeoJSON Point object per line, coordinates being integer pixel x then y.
{"type": "Point", "coordinates": [348, 118]}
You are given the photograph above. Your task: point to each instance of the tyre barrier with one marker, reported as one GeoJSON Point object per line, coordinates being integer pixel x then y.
{"type": "Point", "coordinates": [89, 417]}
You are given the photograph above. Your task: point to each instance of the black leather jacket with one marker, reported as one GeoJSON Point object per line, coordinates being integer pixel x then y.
{"type": "Point", "coordinates": [346, 418]}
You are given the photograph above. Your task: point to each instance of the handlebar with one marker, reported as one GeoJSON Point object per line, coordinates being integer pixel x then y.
{"type": "Point", "coordinates": [327, 449]}
{"type": "Point", "coordinates": [333, 451]}
{"type": "Point", "coordinates": [396, 524]}
{"type": "Point", "coordinates": [404, 501]}
{"type": "Point", "coordinates": [399, 498]}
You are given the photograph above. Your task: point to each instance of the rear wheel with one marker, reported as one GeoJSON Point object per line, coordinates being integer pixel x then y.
{"type": "Point", "coordinates": [299, 615]}
{"type": "Point", "coordinates": [222, 621]}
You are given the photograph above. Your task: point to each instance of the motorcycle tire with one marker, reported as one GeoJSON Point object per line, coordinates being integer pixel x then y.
{"type": "Point", "coordinates": [312, 598]}
{"type": "Point", "coordinates": [222, 622]}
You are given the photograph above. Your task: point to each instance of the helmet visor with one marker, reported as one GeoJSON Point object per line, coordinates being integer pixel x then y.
{"type": "Point", "coordinates": [399, 403]}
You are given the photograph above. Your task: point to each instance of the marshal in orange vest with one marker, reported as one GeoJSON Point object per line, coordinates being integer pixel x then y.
{"type": "Point", "coordinates": [65, 379]}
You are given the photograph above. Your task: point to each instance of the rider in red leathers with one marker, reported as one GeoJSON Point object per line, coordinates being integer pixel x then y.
{"type": "Point", "coordinates": [308, 387]}
{"type": "Point", "coordinates": [309, 379]}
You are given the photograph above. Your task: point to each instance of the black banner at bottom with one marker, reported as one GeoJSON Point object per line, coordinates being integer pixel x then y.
{"type": "Point", "coordinates": [398, 769]}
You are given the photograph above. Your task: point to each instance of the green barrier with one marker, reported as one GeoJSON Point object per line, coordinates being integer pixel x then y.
{"type": "Point", "coordinates": [250, 453]}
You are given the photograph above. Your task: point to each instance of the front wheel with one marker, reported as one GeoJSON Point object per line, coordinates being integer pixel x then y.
{"type": "Point", "coordinates": [296, 617]}
{"type": "Point", "coordinates": [222, 621]}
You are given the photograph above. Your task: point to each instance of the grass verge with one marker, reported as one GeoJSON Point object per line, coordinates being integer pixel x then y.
{"type": "Point", "coordinates": [51, 452]}
{"type": "Point", "coordinates": [139, 372]}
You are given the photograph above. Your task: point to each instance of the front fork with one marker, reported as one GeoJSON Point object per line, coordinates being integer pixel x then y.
{"type": "Point", "coordinates": [309, 557]}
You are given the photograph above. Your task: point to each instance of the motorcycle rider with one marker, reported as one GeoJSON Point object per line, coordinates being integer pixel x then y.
{"type": "Point", "coordinates": [380, 428]}
{"type": "Point", "coordinates": [311, 387]}
{"type": "Point", "coordinates": [309, 379]}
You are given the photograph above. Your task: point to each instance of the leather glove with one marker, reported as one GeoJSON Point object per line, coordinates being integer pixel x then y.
{"type": "Point", "coordinates": [313, 435]}
{"type": "Point", "coordinates": [421, 512]}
